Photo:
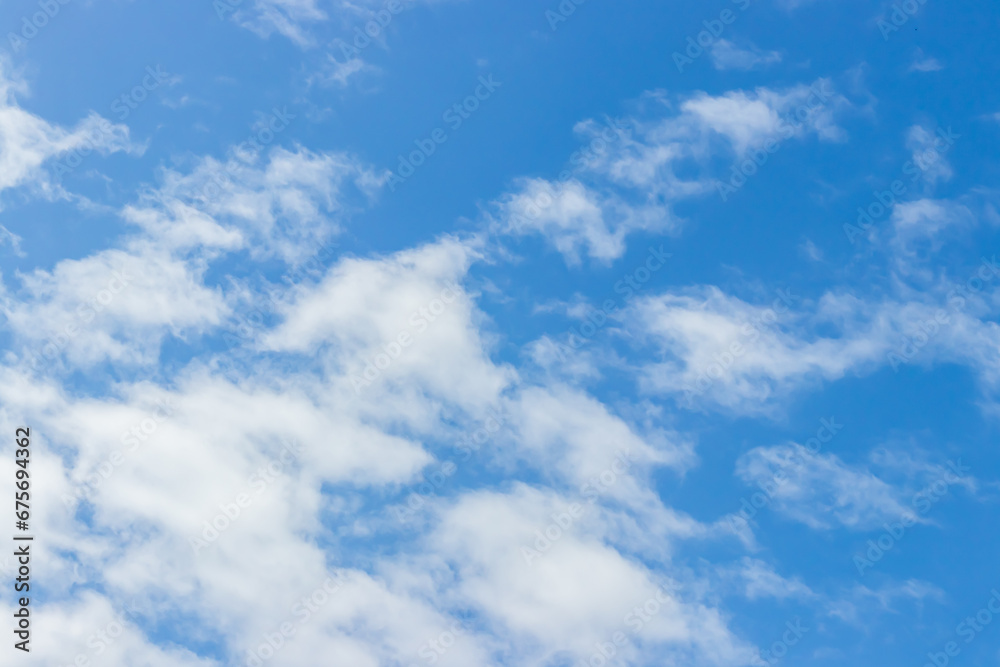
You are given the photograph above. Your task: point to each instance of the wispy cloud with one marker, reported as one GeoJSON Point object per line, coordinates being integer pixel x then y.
{"type": "Point", "coordinates": [728, 56]}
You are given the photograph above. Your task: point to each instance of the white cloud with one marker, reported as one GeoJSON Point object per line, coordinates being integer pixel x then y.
{"type": "Point", "coordinates": [398, 323]}
{"type": "Point", "coordinates": [28, 142]}
{"type": "Point", "coordinates": [717, 349]}
{"type": "Point", "coordinates": [569, 215]}
{"type": "Point", "coordinates": [89, 628]}
{"type": "Point", "coordinates": [119, 305]}
{"type": "Point", "coordinates": [219, 435]}
{"type": "Point", "coordinates": [285, 203]}
{"type": "Point", "coordinates": [559, 429]}
{"type": "Point", "coordinates": [216, 442]}
{"type": "Point", "coordinates": [927, 220]}
{"type": "Point", "coordinates": [713, 350]}
{"type": "Point", "coordinates": [750, 119]}
{"type": "Point", "coordinates": [544, 609]}
{"type": "Point", "coordinates": [116, 305]}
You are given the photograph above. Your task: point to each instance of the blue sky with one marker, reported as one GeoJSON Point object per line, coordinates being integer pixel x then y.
{"type": "Point", "coordinates": [677, 345]}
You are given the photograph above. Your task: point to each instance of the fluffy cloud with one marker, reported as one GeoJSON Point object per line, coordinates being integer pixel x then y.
{"type": "Point", "coordinates": [397, 325]}
{"type": "Point", "coordinates": [576, 595]}
{"type": "Point", "coordinates": [750, 119]}
{"type": "Point", "coordinates": [116, 305]}
{"type": "Point", "coordinates": [247, 505]}
{"type": "Point", "coordinates": [718, 349]}
{"type": "Point", "coordinates": [569, 215]}
{"type": "Point", "coordinates": [280, 203]}
{"type": "Point", "coordinates": [563, 430]}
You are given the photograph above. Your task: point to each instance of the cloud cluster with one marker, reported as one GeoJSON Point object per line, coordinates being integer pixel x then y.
{"type": "Point", "coordinates": [366, 377]}
{"type": "Point", "coordinates": [636, 170]}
